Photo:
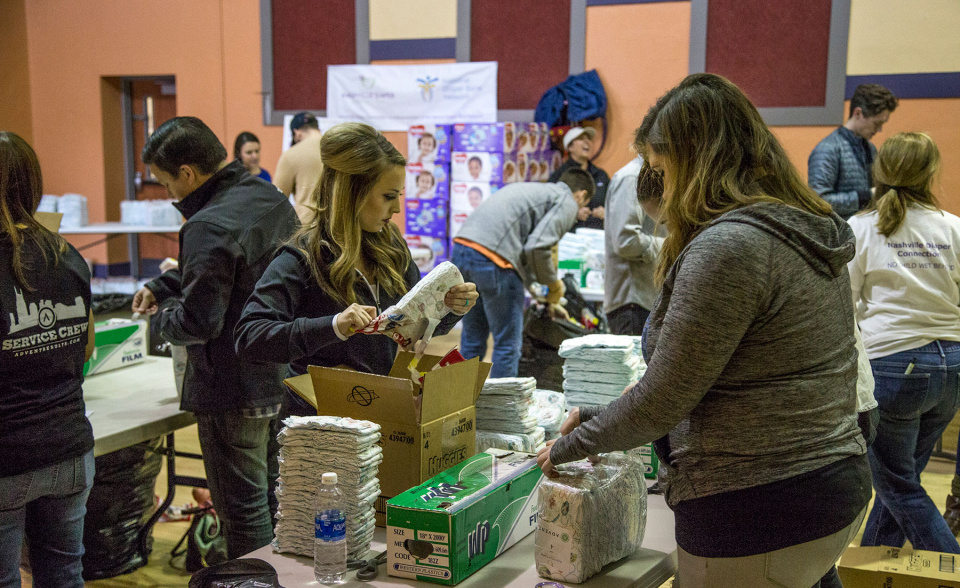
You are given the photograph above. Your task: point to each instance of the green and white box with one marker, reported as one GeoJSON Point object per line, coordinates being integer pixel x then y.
{"type": "Point", "coordinates": [117, 343]}
{"type": "Point", "coordinates": [458, 521]}
{"type": "Point", "coordinates": [650, 462]}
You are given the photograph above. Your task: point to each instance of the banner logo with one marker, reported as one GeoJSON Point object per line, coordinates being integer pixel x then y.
{"type": "Point", "coordinates": [427, 83]}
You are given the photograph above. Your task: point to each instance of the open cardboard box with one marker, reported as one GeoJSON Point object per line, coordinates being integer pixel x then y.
{"type": "Point", "coordinates": [420, 437]}
{"type": "Point", "coordinates": [895, 567]}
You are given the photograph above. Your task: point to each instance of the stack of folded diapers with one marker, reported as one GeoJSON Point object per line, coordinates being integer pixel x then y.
{"type": "Point", "coordinates": [311, 446]}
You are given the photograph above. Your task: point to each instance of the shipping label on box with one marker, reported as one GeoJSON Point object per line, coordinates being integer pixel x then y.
{"type": "Point", "coordinates": [452, 525]}
{"type": "Point", "coordinates": [423, 429]}
{"type": "Point", "coordinates": [477, 166]}
{"type": "Point", "coordinates": [118, 343]}
{"type": "Point", "coordinates": [427, 144]}
{"type": "Point", "coordinates": [427, 182]}
{"type": "Point", "coordinates": [894, 567]}
{"type": "Point", "coordinates": [428, 252]}
{"type": "Point", "coordinates": [426, 217]}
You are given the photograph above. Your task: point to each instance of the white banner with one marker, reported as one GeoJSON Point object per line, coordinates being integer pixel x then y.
{"type": "Point", "coordinates": [393, 97]}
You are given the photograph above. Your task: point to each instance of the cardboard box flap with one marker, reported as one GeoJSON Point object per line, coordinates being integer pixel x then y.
{"type": "Point", "coordinates": [302, 386]}
{"type": "Point", "coordinates": [49, 220]}
{"type": "Point", "coordinates": [363, 396]}
{"type": "Point", "coordinates": [448, 389]}
{"type": "Point", "coordinates": [426, 364]}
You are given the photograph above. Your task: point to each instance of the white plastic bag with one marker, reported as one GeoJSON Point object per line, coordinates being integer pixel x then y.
{"type": "Point", "coordinates": [590, 516]}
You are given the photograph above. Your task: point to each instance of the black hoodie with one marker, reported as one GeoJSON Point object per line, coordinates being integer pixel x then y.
{"type": "Point", "coordinates": [751, 380]}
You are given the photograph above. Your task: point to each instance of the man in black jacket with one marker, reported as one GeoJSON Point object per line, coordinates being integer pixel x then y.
{"type": "Point", "coordinates": [235, 223]}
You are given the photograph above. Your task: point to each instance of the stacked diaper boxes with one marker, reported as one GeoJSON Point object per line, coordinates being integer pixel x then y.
{"type": "Point", "coordinates": [427, 194]}
{"type": "Point", "coordinates": [453, 168]}
{"type": "Point", "coordinates": [486, 156]}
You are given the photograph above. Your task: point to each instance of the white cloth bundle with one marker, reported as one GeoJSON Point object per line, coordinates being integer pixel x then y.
{"type": "Point", "coordinates": [598, 347]}
{"type": "Point", "coordinates": [311, 446]}
{"type": "Point", "coordinates": [550, 408]}
{"type": "Point", "coordinates": [527, 443]}
{"type": "Point", "coordinates": [509, 386]}
{"type": "Point", "coordinates": [590, 516]}
{"type": "Point", "coordinates": [418, 313]}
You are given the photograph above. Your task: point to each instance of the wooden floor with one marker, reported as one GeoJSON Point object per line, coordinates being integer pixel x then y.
{"type": "Point", "coordinates": [162, 572]}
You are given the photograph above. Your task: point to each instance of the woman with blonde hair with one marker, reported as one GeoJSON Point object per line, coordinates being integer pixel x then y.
{"type": "Point", "coordinates": [906, 288]}
{"type": "Point", "coordinates": [750, 392]}
{"type": "Point", "coordinates": [46, 334]}
{"type": "Point", "coordinates": [342, 270]}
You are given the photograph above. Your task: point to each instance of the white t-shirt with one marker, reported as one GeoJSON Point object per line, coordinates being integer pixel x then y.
{"type": "Point", "coordinates": [907, 287]}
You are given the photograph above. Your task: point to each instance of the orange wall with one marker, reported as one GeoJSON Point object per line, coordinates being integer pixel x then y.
{"type": "Point", "coordinates": [15, 108]}
{"type": "Point", "coordinates": [640, 52]}
{"type": "Point", "coordinates": [56, 53]}
{"type": "Point", "coordinates": [211, 46]}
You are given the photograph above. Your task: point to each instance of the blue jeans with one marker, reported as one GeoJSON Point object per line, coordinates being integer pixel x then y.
{"type": "Point", "coordinates": [915, 408]}
{"type": "Point", "coordinates": [240, 459]}
{"type": "Point", "coordinates": [48, 506]}
{"type": "Point", "coordinates": [499, 310]}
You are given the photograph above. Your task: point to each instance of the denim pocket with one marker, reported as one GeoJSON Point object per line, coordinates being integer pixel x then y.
{"type": "Point", "coordinates": [901, 395]}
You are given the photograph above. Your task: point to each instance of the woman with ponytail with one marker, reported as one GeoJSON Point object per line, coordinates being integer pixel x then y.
{"type": "Point", "coordinates": [340, 271]}
{"type": "Point", "coordinates": [906, 289]}
{"type": "Point", "coordinates": [46, 334]}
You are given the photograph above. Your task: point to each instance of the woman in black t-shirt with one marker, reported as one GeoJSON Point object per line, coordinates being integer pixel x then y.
{"type": "Point", "coordinates": [46, 334]}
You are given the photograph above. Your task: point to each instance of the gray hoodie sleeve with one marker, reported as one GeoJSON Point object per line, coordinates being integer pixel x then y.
{"type": "Point", "coordinates": [537, 258]}
{"type": "Point", "coordinates": [716, 294]}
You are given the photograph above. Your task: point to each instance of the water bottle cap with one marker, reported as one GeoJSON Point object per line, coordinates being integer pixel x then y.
{"type": "Point", "coordinates": [329, 479]}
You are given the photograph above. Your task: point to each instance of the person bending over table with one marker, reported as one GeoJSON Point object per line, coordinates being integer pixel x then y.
{"type": "Point", "coordinates": [751, 389]}
{"type": "Point", "coordinates": [46, 333]}
{"type": "Point", "coordinates": [340, 271]}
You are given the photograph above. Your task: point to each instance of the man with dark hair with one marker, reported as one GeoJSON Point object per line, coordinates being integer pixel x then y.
{"type": "Point", "coordinates": [235, 223]}
{"type": "Point", "coordinates": [504, 246]}
{"type": "Point", "coordinates": [298, 169]}
{"type": "Point", "coordinates": [839, 168]}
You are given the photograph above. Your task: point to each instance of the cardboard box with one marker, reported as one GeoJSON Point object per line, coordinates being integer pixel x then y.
{"type": "Point", "coordinates": [894, 567]}
{"type": "Point", "coordinates": [428, 182]}
{"type": "Point", "coordinates": [117, 343]}
{"type": "Point", "coordinates": [575, 267]}
{"type": "Point", "coordinates": [498, 137]}
{"type": "Point", "coordinates": [428, 252]}
{"type": "Point", "coordinates": [416, 446]}
{"type": "Point", "coordinates": [451, 526]}
{"type": "Point", "coordinates": [478, 166]}
{"type": "Point", "coordinates": [419, 141]}
{"type": "Point", "coordinates": [555, 159]}
{"type": "Point", "coordinates": [427, 217]}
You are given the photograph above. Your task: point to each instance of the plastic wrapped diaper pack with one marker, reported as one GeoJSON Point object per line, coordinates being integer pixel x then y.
{"type": "Point", "coordinates": [590, 516]}
{"type": "Point", "coordinates": [550, 408]}
{"type": "Point", "coordinates": [418, 313]}
{"type": "Point", "coordinates": [526, 443]}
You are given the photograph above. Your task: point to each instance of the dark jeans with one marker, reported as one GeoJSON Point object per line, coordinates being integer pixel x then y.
{"type": "Point", "coordinates": [627, 320]}
{"type": "Point", "coordinates": [915, 408]}
{"type": "Point", "coordinates": [240, 458]}
{"type": "Point", "coordinates": [499, 310]}
{"type": "Point", "coordinates": [48, 506]}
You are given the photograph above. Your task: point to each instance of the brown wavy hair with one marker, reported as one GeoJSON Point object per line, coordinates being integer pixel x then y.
{"type": "Point", "coordinates": [724, 157]}
{"type": "Point", "coordinates": [21, 187]}
{"type": "Point", "coordinates": [906, 166]}
{"type": "Point", "coordinates": [354, 157]}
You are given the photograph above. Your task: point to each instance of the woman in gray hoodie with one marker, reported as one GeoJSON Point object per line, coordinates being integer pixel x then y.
{"type": "Point", "coordinates": [750, 392]}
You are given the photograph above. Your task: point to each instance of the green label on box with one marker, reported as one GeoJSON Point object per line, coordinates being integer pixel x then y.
{"type": "Point", "coordinates": [116, 344]}
{"type": "Point", "coordinates": [458, 521]}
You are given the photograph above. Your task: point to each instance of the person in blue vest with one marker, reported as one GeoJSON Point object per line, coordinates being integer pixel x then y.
{"type": "Point", "coordinates": [840, 166]}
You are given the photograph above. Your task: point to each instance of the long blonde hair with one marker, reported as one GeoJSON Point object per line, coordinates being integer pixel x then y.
{"type": "Point", "coordinates": [354, 157]}
{"type": "Point", "coordinates": [21, 187]}
{"type": "Point", "coordinates": [906, 166]}
{"type": "Point", "coordinates": [724, 155]}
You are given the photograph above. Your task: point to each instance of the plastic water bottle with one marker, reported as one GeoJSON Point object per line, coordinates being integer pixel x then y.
{"type": "Point", "coordinates": [330, 532]}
